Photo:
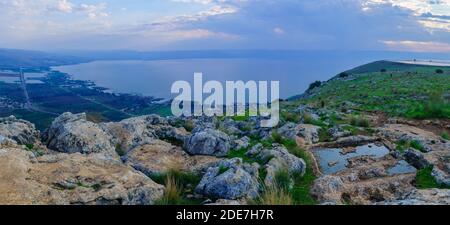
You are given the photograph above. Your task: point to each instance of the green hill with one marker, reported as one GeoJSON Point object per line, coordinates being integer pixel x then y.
{"type": "Point", "coordinates": [412, 91]}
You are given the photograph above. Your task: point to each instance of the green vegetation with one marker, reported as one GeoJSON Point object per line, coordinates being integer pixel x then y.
{"type": "Point", "coordinates": [417, 145]}
{"type": "Point", "coordinates": [359, 121]}
{"type": "Point", "coordinates": [178, 185]}
{"type": "Point", "coordinates": [411, 91]}
{"type": "Point", "coordinates": [425, 180]}
{"type": "Point", "coordinates": [120, 150]}
{"type": "Point", "coordinates": [403, 145]}
{"type": "Point", "coordinates": [223, 169]}
{"type": "Point", "coordinates": [445, 136]}
{"type": "Point", "coordinates": [302, 184]}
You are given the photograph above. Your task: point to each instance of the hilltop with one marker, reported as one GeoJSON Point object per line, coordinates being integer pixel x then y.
{"type": "Point", "coordinates": [397, 89]}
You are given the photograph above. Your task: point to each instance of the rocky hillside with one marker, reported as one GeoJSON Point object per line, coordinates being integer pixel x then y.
{"type": "Point", "coordinates": [331, 147]}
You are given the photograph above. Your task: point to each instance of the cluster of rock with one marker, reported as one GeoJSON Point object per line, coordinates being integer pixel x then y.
{"type": "Point", "coordinates": [77, 161]}
{"type": "Point", "coordinates": [111, 163]}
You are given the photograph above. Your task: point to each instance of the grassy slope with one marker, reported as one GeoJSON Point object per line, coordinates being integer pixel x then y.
{"type": "Point", "coordinates": [403, 90]}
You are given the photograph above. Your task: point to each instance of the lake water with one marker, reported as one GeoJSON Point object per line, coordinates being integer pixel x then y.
{"type": "Point", "coordinates": [154, 78]}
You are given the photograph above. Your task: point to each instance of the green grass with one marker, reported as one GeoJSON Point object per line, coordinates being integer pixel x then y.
{"type": "Point", "coordinates": [359, 121]}
{"type": "Point", "coordinates": [404, 90]}
{"type": "Point", "coordinates": [302, 184]}
{"type": "Point", "coordinates": [223, 169]}
{"type": "Point", "coordinates": [240, 154]}
{"type": "Point", "coordinates": [178, 185]}
{"type": "Point", "coordinates": [403, 145]}
{"type": "Point", "coordinates": [119, 150]}
{"type": "Point", "coordinates": [445, 136]}
{"type": "Point", "coordinates": [424, 179]}
{"type": "Point", "coordinates": [417, 145]}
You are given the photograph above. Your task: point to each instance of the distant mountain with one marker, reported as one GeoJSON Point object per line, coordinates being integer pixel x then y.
{"type": "Point", "coordinates": [14, 58]}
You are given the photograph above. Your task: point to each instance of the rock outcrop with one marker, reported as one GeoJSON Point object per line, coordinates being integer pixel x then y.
{"type": "Point", "coordinates": [209, 142]}
{"type": "Point", "coordinates": [230, 179]}
{"type": "Point", "coordinates": [65, 179]}
{"type": "Point", "coordinates": [21, 131]}
{"type": "Point", "coordinates": [159, 157]}
{"type": "Point", "coordinates": [279, 159]}
{"type": "Point", "coordinates": [423, 197]}
{"type": "Point", "coordinates": [72, 133]}
{"type": "Point", "coordinates": [130, 133]}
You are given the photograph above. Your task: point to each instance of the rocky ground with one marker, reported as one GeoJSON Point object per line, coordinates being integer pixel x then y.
{"type": "Point", "coordinates": [155, 160]}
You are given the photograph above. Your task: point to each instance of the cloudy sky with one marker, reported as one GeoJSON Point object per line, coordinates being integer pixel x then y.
{"type": "Point", "coordinates": [405, 25]}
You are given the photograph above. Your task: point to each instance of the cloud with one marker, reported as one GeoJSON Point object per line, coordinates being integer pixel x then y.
{"type": "Point", "coordinates": [417, 46]}
{"type": "Point", "coordinates": [221, 24]}
{"type": "Point", "coordinates": [431, 14]}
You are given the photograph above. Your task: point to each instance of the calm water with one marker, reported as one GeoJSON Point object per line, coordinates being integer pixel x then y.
{"type": "Point", "coordinates": [332, 161]}
{"type": "Point", "coordinates": [154, 78]}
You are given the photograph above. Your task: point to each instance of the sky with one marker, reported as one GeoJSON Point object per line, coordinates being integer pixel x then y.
{"type": "Point", "coordinates": [146, 25]}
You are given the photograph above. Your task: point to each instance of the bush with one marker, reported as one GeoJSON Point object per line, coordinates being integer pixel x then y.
{"type": "Point", "coordinates": [383, 70]}
{"type": "Point", "coordinates": [343, 75]}
{"type": "Point", "coordinates": [439, 71]}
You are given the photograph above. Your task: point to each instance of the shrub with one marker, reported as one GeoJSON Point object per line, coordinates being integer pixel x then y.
{"type": "Point", "coordinates": [383, 70]}
{"type": "Point", "coordinates": [439, 71]}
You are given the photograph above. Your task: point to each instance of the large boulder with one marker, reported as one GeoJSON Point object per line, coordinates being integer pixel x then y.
{"type": "Point", "coordinates": [66, 179]}
{"type": "Point", "coordinates": [159, 157]}
{"type": "Point", "coordinates": [279, 159]}
{"type": "Point", "coordinates": [72, 133]}
{"type": "Point", "coordinates": [416, 159]}
{"type": "Point", "coordinates": [230, 179]}
{"type": "Point", "coordinates": [131, 133]}
{"type": "Point", "coordinates": [307, 132]}
{"type": "Point", "coordinates": [209, 142]}
{"type": "Point", "coordinates": [328, 189]}
{"type": "Point", "coordinates": [21, 131]}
